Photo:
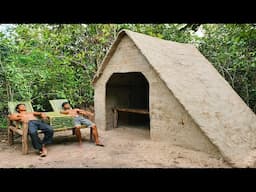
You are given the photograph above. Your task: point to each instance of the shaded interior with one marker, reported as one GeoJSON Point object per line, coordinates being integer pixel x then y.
{"type": "Point", "coordinates": [129, 91]}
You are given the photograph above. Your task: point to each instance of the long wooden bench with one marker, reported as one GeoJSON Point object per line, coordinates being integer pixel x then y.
{"type": "Point", "coordinates": [129, 110]}
{"type": "Point", "coordinates": [58, 121]}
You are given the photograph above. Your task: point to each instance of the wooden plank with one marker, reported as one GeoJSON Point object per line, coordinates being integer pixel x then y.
{"type": "Point", "coordinates": [140, 111]}
{"type": "Point", "coordinates": [62, 129]}
{"type": "Point", "coordinates": [16, 130]}
{"type": "Point", "coordinates": [57, 104]}
{"type": "Point", "coordinates": [19, 131]}
{"type": "Point", "coordinates": [12, 105]}
{"type": "Point", "coordinates": [67, 128]}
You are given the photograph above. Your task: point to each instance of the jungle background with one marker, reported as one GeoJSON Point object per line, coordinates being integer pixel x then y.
{"type": "Point", "coordinates": [39, 62]}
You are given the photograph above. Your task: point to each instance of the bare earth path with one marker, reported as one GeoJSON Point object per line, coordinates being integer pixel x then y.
{"type": "Point", "coordinates": [124, 148]}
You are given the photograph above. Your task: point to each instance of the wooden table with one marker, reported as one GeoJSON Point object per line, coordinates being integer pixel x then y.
{"type": "Point", "coordinates": [60, 122]}
{"type": "Point", "coordinates": [130, 110]}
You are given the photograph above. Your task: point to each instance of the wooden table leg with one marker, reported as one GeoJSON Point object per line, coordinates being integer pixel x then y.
{"type": "Point", "coordinates": [115, 118]}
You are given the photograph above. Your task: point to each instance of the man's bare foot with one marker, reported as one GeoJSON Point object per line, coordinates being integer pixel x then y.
{"type": "Point", "coordinates": [99, 144]}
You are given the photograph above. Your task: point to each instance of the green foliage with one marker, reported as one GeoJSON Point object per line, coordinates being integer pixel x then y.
{"type": "Point", "coordinates": [40, 62]}
{"type": "Point", "coordinates": [232, 50]}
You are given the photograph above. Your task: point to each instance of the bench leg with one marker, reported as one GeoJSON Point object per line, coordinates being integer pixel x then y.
{"type": "Point", "coordinates": [10, 136]}
{"type": "Point", "coordinates": [25, 139]}
{"type": "Point", "coordinates": [24, 144]}
{"type": "Point", "coordinates": [91, 135]}
{"type": "Point", "coordinates": [73, 131]}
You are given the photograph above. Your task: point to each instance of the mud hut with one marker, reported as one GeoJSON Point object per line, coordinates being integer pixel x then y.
{"type": "Point", "coordinates": [175, 93]}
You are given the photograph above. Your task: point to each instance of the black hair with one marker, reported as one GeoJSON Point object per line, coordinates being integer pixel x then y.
{"type": "Point", "coordinates": [17, 107]}
{"type": "Point", "coordinates": [64, 104]}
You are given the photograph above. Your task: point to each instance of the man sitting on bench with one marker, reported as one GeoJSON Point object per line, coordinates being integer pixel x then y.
{"type": "Point", "coordinates": [80, 120]}
{"type": "Point", "coordinates": [34, 125]}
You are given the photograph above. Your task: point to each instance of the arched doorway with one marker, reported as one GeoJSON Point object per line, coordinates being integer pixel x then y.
{"type": "Point", "coordinates": [128, 92]}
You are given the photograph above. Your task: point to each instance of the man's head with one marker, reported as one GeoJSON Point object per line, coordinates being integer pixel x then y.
{"type": "Point", "coordinates": [20, 107]}
{"type": "Point", "coordinates": [66, 106]}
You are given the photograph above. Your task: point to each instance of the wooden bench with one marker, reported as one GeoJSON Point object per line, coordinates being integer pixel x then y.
{"type": "Point", "coordinates": [130, 110]}
{"type": "Point", "coordinates": [14, 127]}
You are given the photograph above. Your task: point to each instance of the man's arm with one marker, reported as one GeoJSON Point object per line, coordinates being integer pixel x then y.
{"type": "Point", "coordinates": [64, 112]}
{"type": "Point", "coordinates": [43, 115]}
{"type": "Point", "coordinates": [14, 117]}
{"type": "Point", "coordinates": [87, 113]}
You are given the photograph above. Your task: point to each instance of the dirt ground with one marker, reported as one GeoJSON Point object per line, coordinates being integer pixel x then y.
{"type": "Point", "coordinates": [124, 148]}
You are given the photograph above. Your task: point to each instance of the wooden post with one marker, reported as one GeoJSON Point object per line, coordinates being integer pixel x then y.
{"type": "Point", "coordinates": [115, 118]}
{"type": "Point", "coordinates": [91, 134]}
{"type": "Point", "coordinates": [25, 138]}
{"type": "Point", "coordinates": [73, 131]}
{"type": "Point", "coordinates": [10, 133]}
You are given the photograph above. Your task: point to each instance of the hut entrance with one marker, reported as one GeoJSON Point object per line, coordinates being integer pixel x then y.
{"type": "Point", "coordinates": [127, 101]}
